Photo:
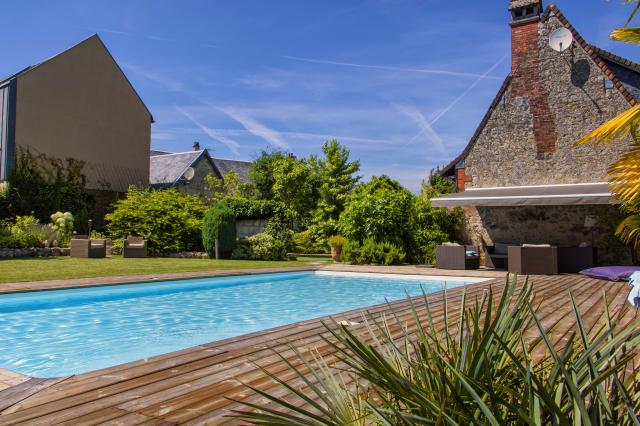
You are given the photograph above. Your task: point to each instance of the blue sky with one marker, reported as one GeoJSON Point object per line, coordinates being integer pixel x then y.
{"type": "Point", "coordinates": [403, 83]}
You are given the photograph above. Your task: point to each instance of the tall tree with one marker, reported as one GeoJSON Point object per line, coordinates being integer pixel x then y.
{"type": "Point", "coordinates": [337, 178]}
{"type": "Point", "coordinates": [261, 173]}
{"type": "Point", "coordinates": [624, 174]}
{"type": "Point", "coordinates": [292, 186]}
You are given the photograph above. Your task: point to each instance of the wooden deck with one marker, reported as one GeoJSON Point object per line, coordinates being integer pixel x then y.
{"type": "Point", "coordinates": [192, 386]}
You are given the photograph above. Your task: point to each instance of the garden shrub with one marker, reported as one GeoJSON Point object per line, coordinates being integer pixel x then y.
{"type": "Point", "coordinates": [25, 232]}
{"type": "Point", "coordinates": [117, 246]}
{"type": "Point", "coordinates": [433, 225]}
{"type": "Point", "coordinates": [260, 247]}
{"type": "Point", "coordinates": [305, 243]}
{"type": "Point", "coordinates": [219, 223]}
{"type": "Point", "coordinates": [249, 208]}
{"type": "Point", "coordinates": [280, 225]}
{"type": "Point", "coordinates": [170, 220]}
{"type": "Point", "coordinates": [381, 210]}
{"type": "Point", "coordinates": [371, 252]}
{"type": "Point", "coordinates": [336, 241]}
{"type": "Point", "coordinates": [63, 223]}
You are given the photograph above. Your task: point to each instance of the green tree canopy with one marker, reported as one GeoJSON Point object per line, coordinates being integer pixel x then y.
{"type": "Point", "coordinates": [337, 178]}
{"type": "Point", "coordinates": [379, 209]}
{"type": "Point", "coordinates": [292, 186]}
{"type": "Point", "coordinates": [261, 173]}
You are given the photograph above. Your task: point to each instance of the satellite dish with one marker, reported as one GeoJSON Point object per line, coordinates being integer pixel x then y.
{"type": "Point", "coordinates": [189, 173]}
{"type": "Point", "coordinates": [560, 39]}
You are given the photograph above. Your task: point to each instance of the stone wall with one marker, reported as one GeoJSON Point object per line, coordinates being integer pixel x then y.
{"type": "Point", "coordinates": [10, 253]}
{"type": "Point", "coordinates": [553, 100]}
{"type": "Point", "coordinates": [249, 227]}
{"type": "Point", "coordinates": [196, 186]}
{"type": "Point", "coordinates": [557, 225]}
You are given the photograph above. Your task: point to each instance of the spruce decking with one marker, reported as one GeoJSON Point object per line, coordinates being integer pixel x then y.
{"type": "Point", "coordinates": [192, 386]}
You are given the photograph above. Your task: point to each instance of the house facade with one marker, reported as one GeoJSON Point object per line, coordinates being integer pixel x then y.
{"type": "Point", "coordinates": [522, 178]}
{"type": "Point", "coordinates": [78, 104]}
{"type": "Point", "coordinates": [186, 171]}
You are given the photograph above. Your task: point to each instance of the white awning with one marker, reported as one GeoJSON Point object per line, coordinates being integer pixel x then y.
{"type": "Point", "coordinates": [535, 195]}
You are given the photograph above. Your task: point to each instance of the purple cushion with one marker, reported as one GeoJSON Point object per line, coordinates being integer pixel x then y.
{"type": "Point", "coordinates": [612, 273]}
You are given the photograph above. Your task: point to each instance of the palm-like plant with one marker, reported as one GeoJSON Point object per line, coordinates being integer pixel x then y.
{"type": "Point", "coordinates": [486, 367]}
{"type": "Point", "coordinates": [624, 175]}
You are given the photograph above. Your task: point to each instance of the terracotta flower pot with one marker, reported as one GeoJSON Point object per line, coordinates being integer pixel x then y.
{"type": "Point", "coordinates": [336, 253]}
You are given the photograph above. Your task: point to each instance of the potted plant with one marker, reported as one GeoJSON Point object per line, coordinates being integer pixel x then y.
{"type": "Point", "coordinates": [336, 242]}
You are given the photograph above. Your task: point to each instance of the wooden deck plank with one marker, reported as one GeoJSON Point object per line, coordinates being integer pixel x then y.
{"type": "Point", "coordinates": [192, 386]}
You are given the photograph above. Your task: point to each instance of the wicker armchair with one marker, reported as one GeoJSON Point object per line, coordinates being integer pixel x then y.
{"type": "Point", "coordinates": [84, 247]}
{"type": "Point", "coordinates": [134, 247]}
{"type": "Point", "coordinates": [455, 257]}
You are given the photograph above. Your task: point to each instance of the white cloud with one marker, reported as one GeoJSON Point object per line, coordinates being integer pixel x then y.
{"type": "Point", "coordinates": [423, 124]}
{"type": "Point", "coordinates": [427, 127]}
{"type": "Point", "coordinates": [387, 68]}
{"type": "Point", "coordinates": [253, 126]}
{"type": "Point", "coordinates": [212, 133]}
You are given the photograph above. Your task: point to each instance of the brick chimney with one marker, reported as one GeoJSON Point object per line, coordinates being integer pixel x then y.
{"type": "Point", "coordinates": [196, 146]}
{"type": "Point", "coordinates": [525, 71]}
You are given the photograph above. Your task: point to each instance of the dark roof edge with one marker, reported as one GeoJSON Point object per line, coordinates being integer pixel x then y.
{"type": "Point", "coordinates": [618, 60]}
{"type": "Point", "coordinates": [480, 127]}
{"type": "Point", "coordinates": [32, 67]}
{"type": "Point", "coordinates": [590, 51]}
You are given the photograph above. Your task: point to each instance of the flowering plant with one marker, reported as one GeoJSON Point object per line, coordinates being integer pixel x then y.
{"type": "Point", "coordinates": [63, 223]}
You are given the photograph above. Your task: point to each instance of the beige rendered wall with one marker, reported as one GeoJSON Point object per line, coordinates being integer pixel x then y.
{"type": "Point", "coordinates": [80, 105]}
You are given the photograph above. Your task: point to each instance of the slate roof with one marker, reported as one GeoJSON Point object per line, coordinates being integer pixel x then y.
{"type": "Point", "coordinates": [167, 168]}
{"type": "Point", "coordinates": [624, 74]}
{"type": "Point", "coordinates": [96, 36]}
{"type": "Point", "coordinates": [225, 166]}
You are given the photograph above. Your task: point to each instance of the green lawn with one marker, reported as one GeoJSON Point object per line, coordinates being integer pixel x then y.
{"type": "Point", "coordinates": [56, 268]}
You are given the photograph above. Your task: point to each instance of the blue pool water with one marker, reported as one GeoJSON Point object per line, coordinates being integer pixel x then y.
{"type": "Point", "coordinates": [62, 332]}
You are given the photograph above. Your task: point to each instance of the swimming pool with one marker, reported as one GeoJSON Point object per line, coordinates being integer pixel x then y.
{"type": "Point", "coordinates": [61, 332]}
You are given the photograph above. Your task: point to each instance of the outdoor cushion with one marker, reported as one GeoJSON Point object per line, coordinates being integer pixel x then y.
{"type": "Point", "coordinates": [536, 245]}
{"type": "Point", "coordinates": [135, 245]}
{"type": "Point", "coordinates": [611, 273]}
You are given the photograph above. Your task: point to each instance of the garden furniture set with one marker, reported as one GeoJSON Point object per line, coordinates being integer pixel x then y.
{"type": "Point", "coordinates": [88, 248]}
{"type": "Point", "coordinates": [525, 259]}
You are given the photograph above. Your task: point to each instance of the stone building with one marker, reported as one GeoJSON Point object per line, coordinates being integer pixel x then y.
{"type": "Point", "coordinates": [186, 171]}
{"type": "Point", "coordinates": [522, 178]}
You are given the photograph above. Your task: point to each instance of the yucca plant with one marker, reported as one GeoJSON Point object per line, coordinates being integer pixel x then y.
{"type": "Point", "coordinates": [624, 175]}
{"type": "Point", "coordinates": [491, 361]}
